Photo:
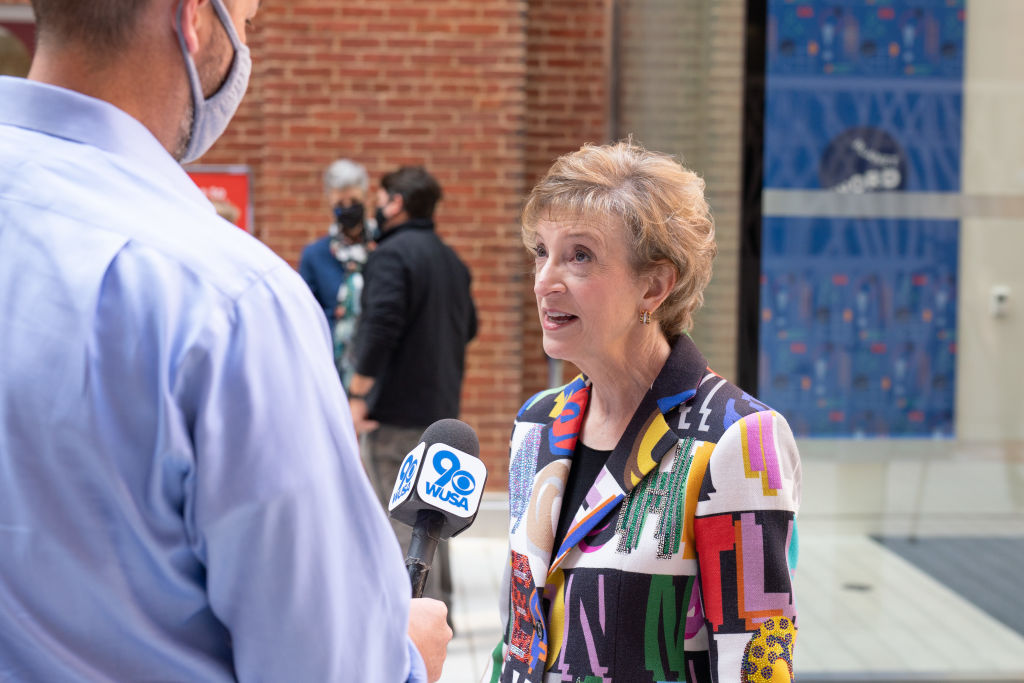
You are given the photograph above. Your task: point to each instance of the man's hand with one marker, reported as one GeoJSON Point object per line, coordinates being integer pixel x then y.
{"type": "Point", "coordinates": [358, 389]}
{"type": "Point", "coordinates": [357, 406]}
{"type": "Point", "coordinates": [430, 633]}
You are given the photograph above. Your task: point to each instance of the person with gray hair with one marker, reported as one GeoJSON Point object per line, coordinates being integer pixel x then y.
{"type": "Point", "coordinates": [345, 173]}
{"type": "Point", "coordinates": [181, 494]}
{"type": "Point", "coordinates": [332, 265]}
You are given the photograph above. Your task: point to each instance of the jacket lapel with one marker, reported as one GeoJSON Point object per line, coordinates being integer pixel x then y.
{"type": "Point", "coordinates": [643, 445]}
{"type": "Point", "coordinates": [556, 446]}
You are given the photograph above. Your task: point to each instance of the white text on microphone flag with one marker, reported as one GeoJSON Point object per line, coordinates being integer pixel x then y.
{"type": "Point", "coordinates": [406, 476]}
{"type": "Point", "coordinates": [452, 480]}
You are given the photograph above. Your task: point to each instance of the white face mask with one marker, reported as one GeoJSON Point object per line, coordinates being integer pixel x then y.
{"type": "Point", "coordinates": [211, 116]}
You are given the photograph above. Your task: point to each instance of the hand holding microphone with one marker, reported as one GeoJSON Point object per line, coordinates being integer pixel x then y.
{"type": "Point", "coordinates": [438, 492]}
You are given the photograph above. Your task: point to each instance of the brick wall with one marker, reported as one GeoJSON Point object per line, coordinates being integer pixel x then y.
{"type": "Point", "coordinates": [391, 83]}
{"type": "Point", "coordinates": [567, 96]}
{"type": "Point", "coordinates": [486, 94]}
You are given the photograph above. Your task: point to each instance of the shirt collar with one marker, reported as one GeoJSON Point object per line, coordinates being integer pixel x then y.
{"type": "Point", "coordinates": [70, 115]}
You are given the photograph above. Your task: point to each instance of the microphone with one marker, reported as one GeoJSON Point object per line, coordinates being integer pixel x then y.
{"type": "Point", "coordinates": [438, 492]}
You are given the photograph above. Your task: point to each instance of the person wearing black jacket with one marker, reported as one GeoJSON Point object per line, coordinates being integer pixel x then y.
{"type": "Point", "coordinates": [410, 350]}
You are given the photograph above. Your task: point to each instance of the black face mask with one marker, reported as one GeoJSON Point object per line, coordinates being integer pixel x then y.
{"type": "Point", "coordinates": [349, 217]}
{"type": "Point", "coordinates": [381, 219]}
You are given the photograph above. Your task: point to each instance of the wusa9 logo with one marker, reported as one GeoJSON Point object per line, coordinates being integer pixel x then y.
{"type": "Point", "coordinates": [406, 476]}
{"type": "Point", "coordinates": [453, 481]}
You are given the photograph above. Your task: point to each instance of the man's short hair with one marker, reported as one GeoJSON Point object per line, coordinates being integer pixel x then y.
{"type": "Point", "coordinates": [419, 190]}
{"type": "Point", "coordinates": [102, 24]}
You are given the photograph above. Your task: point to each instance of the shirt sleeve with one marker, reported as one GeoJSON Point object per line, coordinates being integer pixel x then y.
{"type": "Point", "coordinates": [302, 567]}
{"type": "Point", "coordinates": [385, 307]}
{"type": "Point", "coordinates": [418, 670]}
{"type": "Point", "coordinates": [745, 532]}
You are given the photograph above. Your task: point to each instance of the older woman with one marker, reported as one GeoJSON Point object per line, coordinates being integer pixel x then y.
{"type": "Point", "coordinates": [332, 266]}
{"type": "Point", "coordinates": [652, 533]}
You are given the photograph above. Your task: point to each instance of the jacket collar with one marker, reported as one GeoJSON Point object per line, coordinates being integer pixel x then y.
{"type": "Point", "coordinates": [411, 224]}
{"type": "Point", "coordinates": [642, 447]}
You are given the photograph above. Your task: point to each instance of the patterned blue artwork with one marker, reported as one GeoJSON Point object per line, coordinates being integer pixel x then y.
{"type": "Point", "coordinates": [805, 126]}
{"type": "Point", "coordinates": [918, 39]}
{"type": "Point", "coordinates": [858, 315]}
{"type": "Point", "coordinates": [891, 68]}
{"type": "Point", "coordinates": [858, 325]}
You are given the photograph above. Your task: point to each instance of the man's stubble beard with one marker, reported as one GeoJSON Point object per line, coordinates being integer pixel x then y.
{"type": "Point", "coordinates": [184, 136]}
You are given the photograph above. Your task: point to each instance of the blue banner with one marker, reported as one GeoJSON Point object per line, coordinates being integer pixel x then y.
{"type": "Point", "coordinates": [858, 315]}
{"type": "Point", "coordinates": [858, 325]}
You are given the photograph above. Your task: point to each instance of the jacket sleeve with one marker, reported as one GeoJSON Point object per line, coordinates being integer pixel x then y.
{"type": "Point", "coordinates": [307, 271]}
{"type": "Point", "coordinates": [473, 320]}
{"type": "Point", "coordinates": [385, 308]}
{"type": "Point", "coordinates": [520, 446]}
{"type": "Point", "coordinates": [745, 532]}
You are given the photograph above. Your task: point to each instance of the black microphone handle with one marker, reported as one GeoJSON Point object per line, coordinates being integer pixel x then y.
{"type": "Point", "coordinates": [425, 535]}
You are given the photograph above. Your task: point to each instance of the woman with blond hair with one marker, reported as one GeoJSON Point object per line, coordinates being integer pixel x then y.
{"type": "Point", "coordinates": [653, 503]}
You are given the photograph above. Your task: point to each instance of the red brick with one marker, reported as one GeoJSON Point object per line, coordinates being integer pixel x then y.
{"type": "Point", "coordinates": [482, 92]}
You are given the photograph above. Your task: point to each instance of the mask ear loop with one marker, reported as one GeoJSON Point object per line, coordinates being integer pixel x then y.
{"type": "Point", "coordinates": [205, 128]}
{"type": "Point", "coordinates": [193, 77]}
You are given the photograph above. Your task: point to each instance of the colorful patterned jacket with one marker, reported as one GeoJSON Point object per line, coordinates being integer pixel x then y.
{"type": "Point", "coordinates": [678, 566]}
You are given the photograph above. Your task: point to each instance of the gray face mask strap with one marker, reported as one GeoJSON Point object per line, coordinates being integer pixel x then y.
{"type": "Point", "coordinates": [190, 65]}
{"type": "Point", "coordinates": [211, 116]}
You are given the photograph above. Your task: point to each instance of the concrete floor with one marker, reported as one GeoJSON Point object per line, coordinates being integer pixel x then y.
{"type": "Point", "coordinates": [866, 612]}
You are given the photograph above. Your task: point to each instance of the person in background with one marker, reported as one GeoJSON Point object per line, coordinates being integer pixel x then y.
{"type": "Point", "coordinates": [332, 266]}
{"type": "Point", "coordinates": [226, 210]}
{"type": "Point", "coordinates": [418, 316]}
{"type": "Point", "coordinates": [652, 502]}
{"type": "Point", "coordinates": [181, 496]}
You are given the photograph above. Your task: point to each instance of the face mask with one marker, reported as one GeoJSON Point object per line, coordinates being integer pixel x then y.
{"type": "Point", "coordinates": [349, 217]}
{"type": "Point", "coordinates": [211, 116]}
{"type": "Point", "coordinates": [373, 233]}
{"type": "Point", "coordinates": [381, 219]}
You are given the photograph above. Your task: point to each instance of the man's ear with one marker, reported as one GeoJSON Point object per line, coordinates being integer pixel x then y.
{"type": "Point", "coordinates": [189, 22]}
{"type": "Point", "coordinates": [661, 280]}
{"type": "Point", "coordinates": [399, 201]}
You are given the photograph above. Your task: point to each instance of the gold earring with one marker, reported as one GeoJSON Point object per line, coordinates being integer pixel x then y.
{"type": "Point", "coordinates": [645, 317]}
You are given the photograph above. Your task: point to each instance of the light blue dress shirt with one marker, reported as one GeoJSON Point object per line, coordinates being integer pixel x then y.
{"type": "Point", "coordinates": [181, 496]}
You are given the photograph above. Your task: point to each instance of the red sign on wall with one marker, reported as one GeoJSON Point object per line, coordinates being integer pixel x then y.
{"type": "Point", "coordinates": [17, 40]}
{"type": "Point", "coordinates": [228, 188]}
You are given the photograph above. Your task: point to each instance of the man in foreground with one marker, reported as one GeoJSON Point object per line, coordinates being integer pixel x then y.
{"type": "Point", "coordinates": [178, 498]}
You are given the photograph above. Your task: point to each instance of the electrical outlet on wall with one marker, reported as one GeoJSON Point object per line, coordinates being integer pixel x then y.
{"type": "Point", "coordinates": [999, 301]}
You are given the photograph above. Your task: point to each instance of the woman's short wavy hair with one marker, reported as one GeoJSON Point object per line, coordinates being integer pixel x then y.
{"type": "Point", "coordinates": [658, 201]}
